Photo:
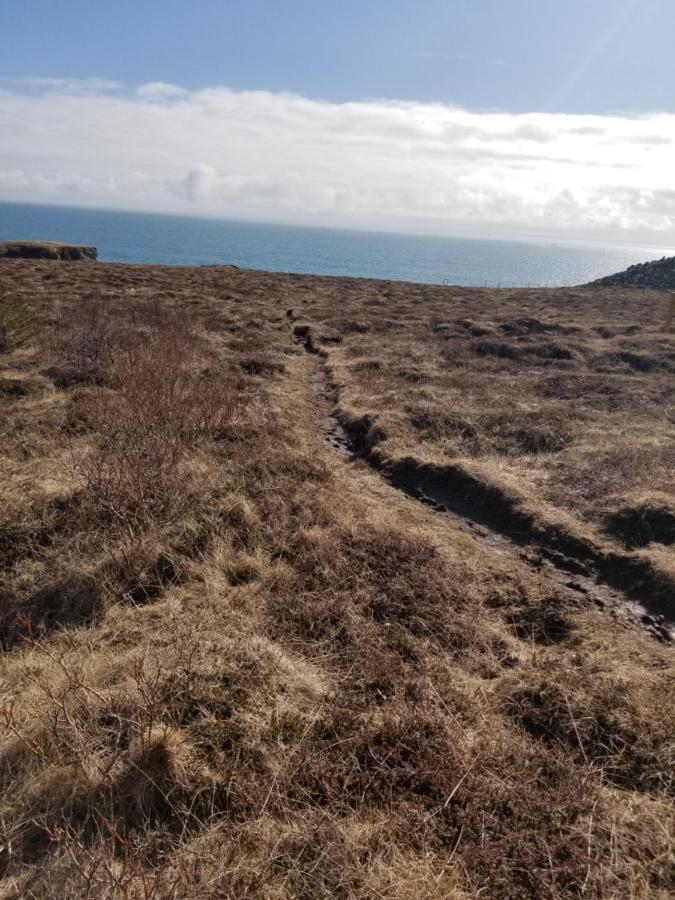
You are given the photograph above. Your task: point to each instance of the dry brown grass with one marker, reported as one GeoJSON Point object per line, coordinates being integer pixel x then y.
{"type": "Point", "coordinates": [560, 399]}
{"type": "Point", "coordinates": [235, 665]}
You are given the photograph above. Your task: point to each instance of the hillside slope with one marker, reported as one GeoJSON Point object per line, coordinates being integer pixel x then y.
{"type": "Point", "coordinates": [244, 653]}
{"type": "Point", "coordinates": [659, 273]}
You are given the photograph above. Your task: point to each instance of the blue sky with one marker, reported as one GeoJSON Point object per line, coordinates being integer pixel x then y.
{"type": "Point", "coordinates": [517, 55]}
{"type": "Point", "coordinates": [546, 117]}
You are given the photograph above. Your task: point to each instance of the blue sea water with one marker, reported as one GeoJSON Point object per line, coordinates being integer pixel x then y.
{"type": "Point", "coordinates": [179, 240]}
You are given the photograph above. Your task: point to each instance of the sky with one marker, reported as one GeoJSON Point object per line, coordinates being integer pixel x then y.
{"type": "Point", "coordinates": [541, 117]}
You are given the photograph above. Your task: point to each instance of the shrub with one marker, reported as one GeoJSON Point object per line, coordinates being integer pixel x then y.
{"type": "Point", "coordinates": [156, 410]}
{"type": "Point", "coordinates": [147, 424]}
{"type": "Point", "coordinates": [86, 347]}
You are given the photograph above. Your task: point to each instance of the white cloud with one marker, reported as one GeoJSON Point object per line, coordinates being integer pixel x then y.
{"type": "Point", "coordinates": [159, 91]}
{"type": "Point", "coordinates": [372, 163]}
{"type": "Point", "coordinates": [62, 85]}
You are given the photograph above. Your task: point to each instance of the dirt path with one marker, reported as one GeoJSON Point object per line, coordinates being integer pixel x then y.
{"type": "Point", "coordinates": [585, 587]}
{"type": "Point", "coordinates": [324, 399]}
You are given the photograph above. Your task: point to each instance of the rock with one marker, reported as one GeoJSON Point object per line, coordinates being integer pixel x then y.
{"type": "Point", "coordinates": [46, 250]}
{"type": "Point", "coordinates": [660, 273]}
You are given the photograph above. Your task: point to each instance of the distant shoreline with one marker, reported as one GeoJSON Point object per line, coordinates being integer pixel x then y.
{"type": "Point", "coordinates": [174, 240]}
{"type": "Point", "coordinates": [305, 279]}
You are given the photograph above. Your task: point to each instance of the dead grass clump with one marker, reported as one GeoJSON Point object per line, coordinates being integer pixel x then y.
{"type": "Point", "coordinates": [373, 762]}
{"type": "Point", "coordinates": [367, 365]}
{"type": "Point", "coordinates": [141, 573]}
{"type": "Point", "coordinates": [351, 857]}
{"type": "Point", "coordinates": [15, 324]}
{"type": "Point", "coordinates": [234, 715]}
{"type": "Point", "coordinates": [551, 352]}
{"type": "Point", "coordinates": [108, 759]}
{"type": "Point", "coordinates": [518, 432]}
{"type": "Point", "coordinates": [414, 375]}
{"type": "Point", "coordinates": [436, 792]}
{"type": "Point", "coordinates": [15, 388]}
{"type": "Point", "coordinates": [498, 349]}
{"type": "Point", "coordinates": [504, 852]}
{"type": "Point", "coordinates": [544, 623]}
{"type": "Point", "coordinates": [522, 350]}
{"type": "Point", "coordinates": [323, 619]}
{"type": "Point", "coordinates": [653, 359]}
{"type": "Point", "coordinates": [29, 532]}
{"type": "Point", "coordinates": [597, 391]}
{"type": "Point", "coordinates": [531, 325]}
{"type": "Point", "coordinates": [352, 326]}
{"type": "Point", "coordinates": [434, 424]}
{"type": "Point", "coordinates": [605, 725]}
{"type": "Point", "coordinates": [505, 433]}
{"type": "Point", "coordinates": [260, 365]}
{"type": "Point", "coordinates": [66, 603]}
{"type": "Point", "coordinates": [13, 541]}
{"type": "Point", "coordinates": [639, 526]}
{"type": "Point", "coordinates": [351, 584]}
{"type": "Point", "coordinates": [330, 339]}
{"type": "Point", "coordinates": [473, 328]}
{"type": "Point", "coordinates": [660, 359]}
{"type": "Point", "coordinates": [9, 619]}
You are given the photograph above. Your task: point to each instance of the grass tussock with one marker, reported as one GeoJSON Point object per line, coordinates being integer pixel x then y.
{"type": "Point", "coordinates": [232, 664]}
{"type": "Point", "coordinates": [15, 326]}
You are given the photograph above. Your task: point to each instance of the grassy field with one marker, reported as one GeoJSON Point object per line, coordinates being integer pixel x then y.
{"type": "Point", "coordinates": [381, 619]}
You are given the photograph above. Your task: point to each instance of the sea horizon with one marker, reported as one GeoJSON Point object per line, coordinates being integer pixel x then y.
{"type": "Point", "coordinates": [174, 238]}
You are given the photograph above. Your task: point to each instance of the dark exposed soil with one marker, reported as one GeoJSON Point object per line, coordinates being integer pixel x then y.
{"type": "Point", "coordinates": [331, 430]}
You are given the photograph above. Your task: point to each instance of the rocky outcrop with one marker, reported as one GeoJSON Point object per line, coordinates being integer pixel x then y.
{"type": "Point", "coordinates": [660, 273]}
{"type": "Point", "coordinates": [46, 250]}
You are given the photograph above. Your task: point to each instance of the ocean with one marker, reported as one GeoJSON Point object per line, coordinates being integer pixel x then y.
{"type": "Point", "coordinates": [180, 240]}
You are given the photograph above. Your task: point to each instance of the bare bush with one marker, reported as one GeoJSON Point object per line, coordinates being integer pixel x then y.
{"type": "Point", "coordinates": [86, 344]}
{"type": "Point", "coordinates": [156, 412]}
{"type": "Point", "coordinates": [110, 868]}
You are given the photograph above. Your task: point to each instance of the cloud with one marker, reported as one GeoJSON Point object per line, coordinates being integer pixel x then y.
{"type": "Point", "coordinates": [161, 91]}
{"type": "Point", "coordinates": [73, 86]}
{"type": "Point", "coordinates": [375, 163]}
{"type": "Point", "coordinates": [651, 140]}
{"type": "Point", "coordinates": [197, 185]}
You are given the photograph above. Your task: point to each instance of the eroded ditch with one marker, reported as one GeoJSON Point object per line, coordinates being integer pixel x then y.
{"type": "Point", "coordinates": [620, 587]}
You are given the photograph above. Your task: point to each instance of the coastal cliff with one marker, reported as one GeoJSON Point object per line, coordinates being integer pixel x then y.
{"type": "Point", "coordinates": [46, 250]}
{"type": "Point", "coordinates": [659, 273]}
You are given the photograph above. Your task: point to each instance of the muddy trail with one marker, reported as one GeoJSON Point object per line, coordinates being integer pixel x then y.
{"type": "Point", "coordinates": [582, 576]}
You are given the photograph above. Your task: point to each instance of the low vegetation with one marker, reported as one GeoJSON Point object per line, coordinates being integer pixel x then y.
{"type": "Point", "coordinates": [234, 664]}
